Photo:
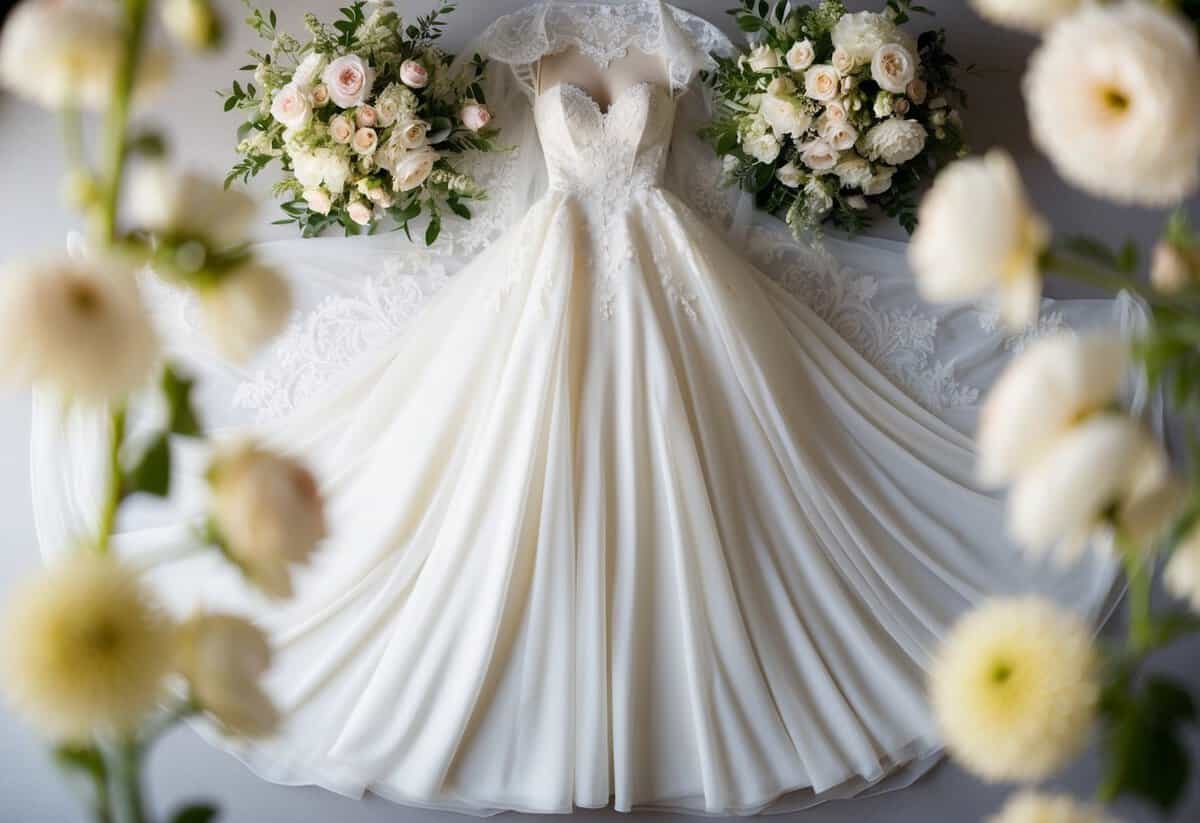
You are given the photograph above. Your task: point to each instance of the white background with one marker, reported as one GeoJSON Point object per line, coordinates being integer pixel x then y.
{"type": "Point", "coordinates": [185, 768]}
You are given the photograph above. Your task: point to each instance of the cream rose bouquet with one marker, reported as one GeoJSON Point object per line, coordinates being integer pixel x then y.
{"type": "Point", "coordinates": [829, 112]}
{"type": "Point", "coordinates": [366, 120]}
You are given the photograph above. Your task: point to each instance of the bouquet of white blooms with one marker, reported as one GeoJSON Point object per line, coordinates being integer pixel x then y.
{"type": "Point", "coordinates": [829, 112]}
{"type": "Point", "coordinates": [365, 119]}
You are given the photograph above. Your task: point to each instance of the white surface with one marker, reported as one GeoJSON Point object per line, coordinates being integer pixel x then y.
{"type": "Point", "coordinates": [186, 768]}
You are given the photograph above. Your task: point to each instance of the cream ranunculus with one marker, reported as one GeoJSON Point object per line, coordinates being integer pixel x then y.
{"type": "Point", "coordinates": [894, 141]}
{"type": "Point", "coordinates": [764, 58]}
{"type": "Point", "coordinates": [893, 67]}
{"type": "Point", "coordinates": [1030, 15]}
{"type": "Point", "coordinates": [819, 155]}
{"type": "Point", "coordinates": [318, 200]}
{"type": "Point", "coordinates": [785, 115]}
{"type": "Point", "coordinates": [861, 35]}
{"type": "Point", "coordinates": [1112, 100]}
{"type": "Point", "coordinates": [414, 169]}
{"type": "Point", "coordinates": [822, 83]}
{"type": "Point", "coordinates": [790, 175]}
{"type": "Point", "coordinates": [189, 205]}
{"type": "Point", "coordinates": [267, 512]}
{"type": "Point", "coordinates": [1182, 575]}
{"type": "Point", "coordinates": [1085, 484]}
{"type": "Point", "coordinates": [349, 80]}
{"type": "Point", "coordinates": [77, 327]}
{"type": "Point", "coordinates": [957, 256]}
{"type": "Point", "coordinates": [1014, 689]}
{"type": "Point", "coordinates": [223, 658]}
{"type": "Point", "coordinates": [291, 107]}
{"type": "Point", "coordinates": [245, 310]}
{"type": "Point", "coordinates": [1032, 807]}
{"type": "Point", "coordinates": [1047, 389]}
{"type": "Point", "coordinates": [87, 650]}
{"type": "Point", "coordinates": [801, 55]}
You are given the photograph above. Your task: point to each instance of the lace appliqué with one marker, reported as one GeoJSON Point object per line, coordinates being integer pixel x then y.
{"type": "Point", "coordinates": [1047, 324]}
{"type": "Point", "coordinates": [901, 343]}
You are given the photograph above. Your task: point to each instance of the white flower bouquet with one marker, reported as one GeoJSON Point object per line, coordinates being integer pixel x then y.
{"type": "Point", "coordinates": [366, 119]}
{"type": "Point", "coordinates": [831, 112]}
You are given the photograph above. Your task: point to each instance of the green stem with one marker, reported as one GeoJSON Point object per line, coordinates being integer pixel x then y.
{"type": "Point", "coordinates": [117, 123]}
{"type": "Point", "coordinates": [1093, 275]}
{"type": "Point", "coordinates": [72, 126]}
{"type": "Point", "coordinates": [1137, 569]}
{"type": "Point", "coordinates": [129, 804]}
{"type": "Point", "coordinates": [115, 490]}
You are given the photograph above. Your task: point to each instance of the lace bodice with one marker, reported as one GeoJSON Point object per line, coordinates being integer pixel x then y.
{"type": "Point", "coordinates": [605, 156]}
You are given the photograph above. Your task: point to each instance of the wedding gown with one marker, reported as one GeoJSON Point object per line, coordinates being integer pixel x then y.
{"type": "Point", "coordinates": [618, 518]}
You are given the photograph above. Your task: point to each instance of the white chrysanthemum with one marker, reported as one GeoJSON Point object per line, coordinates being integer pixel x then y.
{"type": "Point", "coordinates": [862, 34]}
{"type": "Point", "coordinates": [76, 328]}
{"type": "Point", "coordinates": [1030, 15]}
{"type": "Point", "coordinates": [1091, 477]}
{"type": "Point", "coordinates": [1112, 101]}
{"type": "Point", "coordinates": [1032, 807]}
{"type": "Point", "coordinates": [1042, 393]}
{"type": "Point", "coordinates": [245, 310]}
{"type": "Point", "coordinates": [894, 141]}
{"type": "Point", "coordinates": [223, 657]}
{"type": "Point", "coordinates": [189, 205]}
{"type": "Point", "coordinates": [1182, 575]}
{"type": "Point", "coordinates": [1014, 689]}
{"type": "Point", "coordinates": [957, 256]}
{"type": "Point", "coordinates": [66, 52]}
{"type": "Point", "coordinates": [268, 512]}
{"type": "Point", "coordinates": [86, 650]}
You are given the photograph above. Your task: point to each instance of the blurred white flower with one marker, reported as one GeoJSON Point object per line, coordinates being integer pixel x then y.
{"type": "Point", "coordinates": [790, 175]}
{"type": "Point", "coordinates": [893, 67]}
{"type": "Point", "coordinates": [917, 91]}
{"type": "Point", "coordinates": [1030, 15]}
{"type": "Point", "coordinates": [360, 212]}
{"type": "Point", "coordinates": [1014, 689]}
{"type": "Point", "coordinates": [192, 22]}
{"type": "Point", "coordinates": [801, 55]}
{"type": "Point", "coordinates": [1047, 389]}
{"type": "Point", "coordinates": [349, 80]}
{"type": "Point", "coordinates": [268, 513]}
{"type": "Point", "coordinates": [862, 34]}
{"type": "Point", "coordinates": [223, 658]}
{"type": "Point", "coordinates": [853, 171]}
{"type": "Point", "coordinates": [189, 205]}
{"type": "Point", "coordinates": [957, 256]}
{"type": "Point", "coordinates": [78, 327]}
{"type": "Point", "coordinates": [1171, 270]}
{"type": "Point", "coordinates": [414, 169]}
{"type": "Point", "coordinates": [1034, 807]}
{"type": "Point", "coordinates": [1182, 575]}
{"type": "Point", "coordinates": [318, 200]}
{"type": "Point", "coordinates": [822, 82]}
{"type": "Point", "coordinates": [1112, 100]}
{"type": "Point", "coordinates": [86, 649]}
{"type": "Point", "coordinates": [785, 115]}
{"type": "Point", "coordinates": [894, 141]}
{"type": "Point", "coordinates": [58, 53]}
{"type": "Point", "coordinates": [764, 58]}
{"type": "Point", "coordinates": [245, 309]}
{"type": "Point", "coordinates": [819, 155]}
{"type": "Point", "coordinates": [291, 107]}
{"type": "Point", "coordinates": [1088, 480]}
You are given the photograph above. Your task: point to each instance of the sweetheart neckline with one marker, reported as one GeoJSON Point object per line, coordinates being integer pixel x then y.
{"type": "Point", "coordinates": [612, 104]}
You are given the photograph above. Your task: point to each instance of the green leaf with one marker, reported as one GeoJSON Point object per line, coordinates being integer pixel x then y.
{"type": "Point", "coordinates": [1144, 750]}
{"type": "Point", "coordinates": [196, 813]}
{"type": "Point", "coordinates": [85, 759]}
{"type": "Point", "coordinates": [147, 144]}
{"type": "Point", "coordinates": [181, 415]}
{"type": "Point", "coordinates": [152, 473]}
{"type": "Point", "coordinates": [230, 102]}
{"type": "Point", "coordinates": [459, 208]}
{"type": "Point", "coordinates": [433, 231]}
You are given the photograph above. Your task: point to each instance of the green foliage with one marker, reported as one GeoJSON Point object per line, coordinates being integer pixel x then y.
{"type": "Point", "coordinates": [197, 813]}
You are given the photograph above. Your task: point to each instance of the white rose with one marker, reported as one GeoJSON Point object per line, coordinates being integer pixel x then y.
{"type": "Point", "coordinates": [801, 55]}
{"type": "Point", "coordinates": [365, 141]}
{"type": "Point", "coordinates": [376, 192]}
{"type": "Point", "coordinates": [366, 117]}
{"type": "Point", "coordinates": [790, 175]}
{"type": "Point", "coordinates": [781, 86]}
{"type": "Point", "coordinates": [414, 75]}
{"type": "Point", "coordinates": [411, 135]}
{"type": "Point", "coordinates": [835, 112]}
{"type": "Point", "coordinates": [308, 70]}
{"type": "Point", "coordinates": [784, 115]}
{"type": "Point", "coordinates": [245, 310]}
{"type": "Point", "coordinates": [917, 91]}
{"type": "Point", "coordinates": [191, 205]}
{"type": "Point", "coordinates": [880, 182]}
{"type": "Point", "coordinates": [956, 256]}
{"type": "Point", "coordinates": [842, 61]}
{"type": "Point", "coordinates": [414, 169]}
{"type": "Point", "coordinates": [291, 107]}
{"type": "Point", "coordinates": [1030, 15]}
{"type": "Point", "coordinates": [349, 80]}
{"type": "Point", "coordinates": [764, 58]}
{"type": "Point", "coordinates": [853, 171]}
{"type": "Point", "coordinates": [1046, 389]}
{"type": "Point", "coordinates": [360, 212]}
{"type": "Point", "coordinates": [895, 141]}
{"type": "Point", "coordinates": [223, 657]}
{"type": "Point", "coordinates": [862, 34]}
{"type": "Point", "coordinates": [819, 155]}
{"type": "Point", "coordinates": [318, 200]}
{"type": "Point", "coordinates": [822, 83]}
{"type": "Point", "coordinates": [857, 202]}
{"type": "Point", "coordinates": [842, 136]}
{"type": "Point", "coordinates": [1112, 101]}
{"type": "Point", "coordinates": [77, 327]}
{"type": "Point", "coordinates": [341, 130]}
{"type": "Point", "coordinates": [764, 148]}
{"type": "Point", "coordinates": [475, 116]}
{"type": "Point", "coordinates": [320, 96]}
{"type": "Point", "coordinates": [267, 511]}
{"type": "Point", "coordinates": [893, 67]}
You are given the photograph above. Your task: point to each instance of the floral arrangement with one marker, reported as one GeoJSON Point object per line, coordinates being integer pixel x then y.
{"type": "Point", "coordinates": [92, 660]}
{"type": "Point", "coordinates": [366, 119]}
{"type": "Point", "coordinates": [1021, 686]}
{"type": "Point", "coordinates": [831, 112]}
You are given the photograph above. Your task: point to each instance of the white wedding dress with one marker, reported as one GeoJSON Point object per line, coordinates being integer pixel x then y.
{"type": "Point", "coordinates": [617, 517]}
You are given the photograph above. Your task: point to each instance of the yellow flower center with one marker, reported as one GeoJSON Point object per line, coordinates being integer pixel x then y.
{"type": "Point", "coordinates": [1114, 100]}
{"type": "Point", "coordinates": [84, 297]}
